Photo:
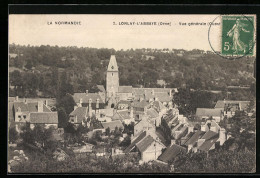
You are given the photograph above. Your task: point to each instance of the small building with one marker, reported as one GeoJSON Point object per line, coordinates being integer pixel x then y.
{"type": "Point", "coordinates": [47, 119]}
{"type": "Point", "coordinates": [172, 152]}
{"type": "Point", "coordinates": [77, 116]}
{"type": "Point", "coordinates": [112, 125]}
{"type": "Point", "coordinates": [206, 113]}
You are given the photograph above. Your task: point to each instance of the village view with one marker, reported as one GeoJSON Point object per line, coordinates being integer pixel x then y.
{"type": "Point", "coordinates": [88, 110]}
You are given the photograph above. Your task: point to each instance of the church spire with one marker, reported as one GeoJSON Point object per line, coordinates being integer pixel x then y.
{"type": "Point", "coordinates": [112, 66]}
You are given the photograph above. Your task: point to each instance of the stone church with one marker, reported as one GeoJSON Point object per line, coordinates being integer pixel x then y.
{"type": "Point", "coordinates": [116, 93]}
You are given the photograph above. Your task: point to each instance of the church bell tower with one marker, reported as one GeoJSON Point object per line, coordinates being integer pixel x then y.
{"type": "Point", "coordinates": [112, 78]}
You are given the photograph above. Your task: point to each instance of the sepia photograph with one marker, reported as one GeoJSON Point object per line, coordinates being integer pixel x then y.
{"type": "Point", "coordinates": [131, 93]}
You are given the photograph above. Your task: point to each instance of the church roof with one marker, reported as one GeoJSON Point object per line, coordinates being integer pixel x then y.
{"type": "Point", "coordinates": [125, 89]}
{"type": "Point", "coordinates": [112, 66]}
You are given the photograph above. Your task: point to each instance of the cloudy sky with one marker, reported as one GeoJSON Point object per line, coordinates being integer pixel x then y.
{"type": "Point", "coordinates": [98, 31]}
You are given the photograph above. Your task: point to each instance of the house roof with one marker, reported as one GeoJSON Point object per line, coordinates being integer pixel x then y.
{"type": "Point", "coordinates": [152, 113]}
{"type": "Point", "coordinates": [101, 88]}
{"type": "Point", "coordinates": [109, 112]}
{"type": "Point", "coordinates": [124, 102]}
{"type": "Point", "coordinates": [81, 113]}
{"type": "Point", "coordinates": [125, 89]}
{"type": "Point", "coordinates": [208, 112]}
{"type": "Point", "coordinates": [112, 66]}
{"type": "Point", "coordinates": [112, 125]}
{"type": "Point", "coordinates": [29, 107]}
{"type": "Point", "coordinates": [186, 138]}
{"type": "Point", "coordinates": [208, 144]}
{"type": "Point", "coordinates": [221, 103]}
{"type": "Point", "coordinates": [132, 145]}
{"type": "Point", "coordinates": [44, 118]}
{"type": "Point", "coordinates": [194, 138]}
{"type": "Point", "coordinates": [85, 97]}
{"type": "Point", "coordinates": [145, 143]}
{"type": "Point", "coordinates": [158, 105]}
{"type": "Point", "coordinates": [149, 90]}
{"type": "Point", "coordinates": [121, 115]}
{"type": "Point", "coordinates": [171, 152]}
{"type": "Point", "coordinates": [141, 104]}
{"type": "Point", "coordinates": [209, 135]}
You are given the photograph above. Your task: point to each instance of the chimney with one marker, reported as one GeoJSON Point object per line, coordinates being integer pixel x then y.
{"type": "Point", "coordinates": [46, 102]}
{"type": "Point", "coordinates": [131, 112]}
{"type": "Point", "coordinates": [200, 142]}
{"type": "Point", "coordinates": [170, 93]}
{"type": "Point", "coordinates": [40, 106]}
{"type": "Point", "coordinates": [190, 129]}
{"type": "Point", "coordinates": [90, 107]}
{"type": "Point", "coordinates": [97, 104]}
{"type": "Point", "coordinates": [173, 142]}
{"type": "Point", "coordinates": [145, 110]}
{"type": "Point", "coordinates": [80, 102]}
{"type": "Point", "coordinates": [86, 92]}
{"type": "Point", "coordinates": [16, 98]}
{"type": "Point", "coordinates": [203, 128]}
{"type": "Point", "coordinates": [222, 136]}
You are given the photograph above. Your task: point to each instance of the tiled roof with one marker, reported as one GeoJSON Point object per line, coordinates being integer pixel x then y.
{"type": "Point", "coordinates": [44, 118]}
{"type": "Point", "coordinates": [132, 145]}
{"type": "Point", "coordinates": [109, 112]}
{"type": "Point", "coordinates": [124, 114]}
{"type": "Point", "coordinates": [30, 107]}
{"type": "Point", "coordinates": [149, 90]}
{"type": "Point", "coordinates": [80, 112]}
{"type": "Point", "coordinates": [125, 89]}
{"type": "Point", "coordinates": [208, 144]}
{"type": "Point", "coordinates": [208, 112]}
{"type": "Point", "coordinates": [145, 143]}
{"type": "Point", "coordinates": [162, 96]}
{"type": "Point", "coordinates": [186, 138]}
{"type": "Point", "coordinates": [221, 103]}
{"type": "Point", "coordinates": [112, 125]}
{"type": "Point", "coordinates": [152, 113]}
{"type": "Point", "coordinates": [171, 152]}
{"type": "Point", "coordinates": [158, 105]}
{"type": "Point", "coordinates": [101, 88]}
{"type": "Point", "coordinates": [85, 97]}
{"type": "Point", "coordinates": [209, 135]}
{"type": "Point", "coordinates": [141, 104]}
{"type": "Point", "coordinates": [194, 138]}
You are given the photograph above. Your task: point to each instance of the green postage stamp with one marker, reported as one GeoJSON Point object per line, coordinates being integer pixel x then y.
{"type": "Point", "coordinates": [238, 37]}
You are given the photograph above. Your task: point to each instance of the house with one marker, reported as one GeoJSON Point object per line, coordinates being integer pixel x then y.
{"type": "Point", "coordinates": [149, 148]}
{"type": "Point", "coordinates": [86, 148]}
{"type": "Point", "coordinates": [207, 142]}
{"type": "Point", "coordinates": [78, 115]}
{"type": "Point", "coordinates": [125, 116]}
{"type": "Point", "coordinates": [47, 119]}
{"type": "Point", "coordinates": [112, 125]}
{"type": "Point", "coordinates": [192, 141]}
{"type": "Point", "coordinates": [172, 152]}
{"type": "Point", "coordinates": [146, 124]}
{"type": "Point", "coordinates": [22, 110]}
{"type": "Point", "coordinates": [230, 106]}
{"type": "Point", "coordinates": [206, 113]}
{"type": "Point", "coordinates": [147, 145]}
{"type": "Point", "coordinates": [123, 104]}
{"type": "Point", "coordinates": [84, 99]}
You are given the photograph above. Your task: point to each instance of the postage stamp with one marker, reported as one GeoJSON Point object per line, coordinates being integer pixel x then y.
{"type": "Point", "coordinates": [238, 35]}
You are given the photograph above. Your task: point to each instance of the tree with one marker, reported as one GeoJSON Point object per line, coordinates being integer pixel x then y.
{"type": "Point", "coordinates": [13, 135]}
{"type": "Point", "coordinates": [108, 131]}
{"type": "Point", "coordinates": [62, 117]}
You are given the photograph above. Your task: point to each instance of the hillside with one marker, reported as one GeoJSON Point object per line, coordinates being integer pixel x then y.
{"type": "Point", "coordinates": [85, 67]}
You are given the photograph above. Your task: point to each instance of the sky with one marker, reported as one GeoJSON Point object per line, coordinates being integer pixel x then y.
{"type": "Point", "coordinates": [98, 31]}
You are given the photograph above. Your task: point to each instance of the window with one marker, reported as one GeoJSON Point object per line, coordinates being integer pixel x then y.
{"type": "Point", "coordinates": [19, 117]}
{"type": "Point", "coordinates": [24, 116]}
{"type": "Point", "coordinates": [112, 74]}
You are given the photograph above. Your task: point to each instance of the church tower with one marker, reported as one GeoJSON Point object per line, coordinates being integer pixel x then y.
{"type": "Point", "coordinates": [112, 78]}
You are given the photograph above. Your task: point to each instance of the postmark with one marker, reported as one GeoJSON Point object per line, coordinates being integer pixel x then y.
{"type": "Point", "coordinates": [237, 35]}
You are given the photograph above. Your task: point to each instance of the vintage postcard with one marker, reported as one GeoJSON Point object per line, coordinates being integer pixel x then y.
{"type": "Point", "coordinates": [134, 93]}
